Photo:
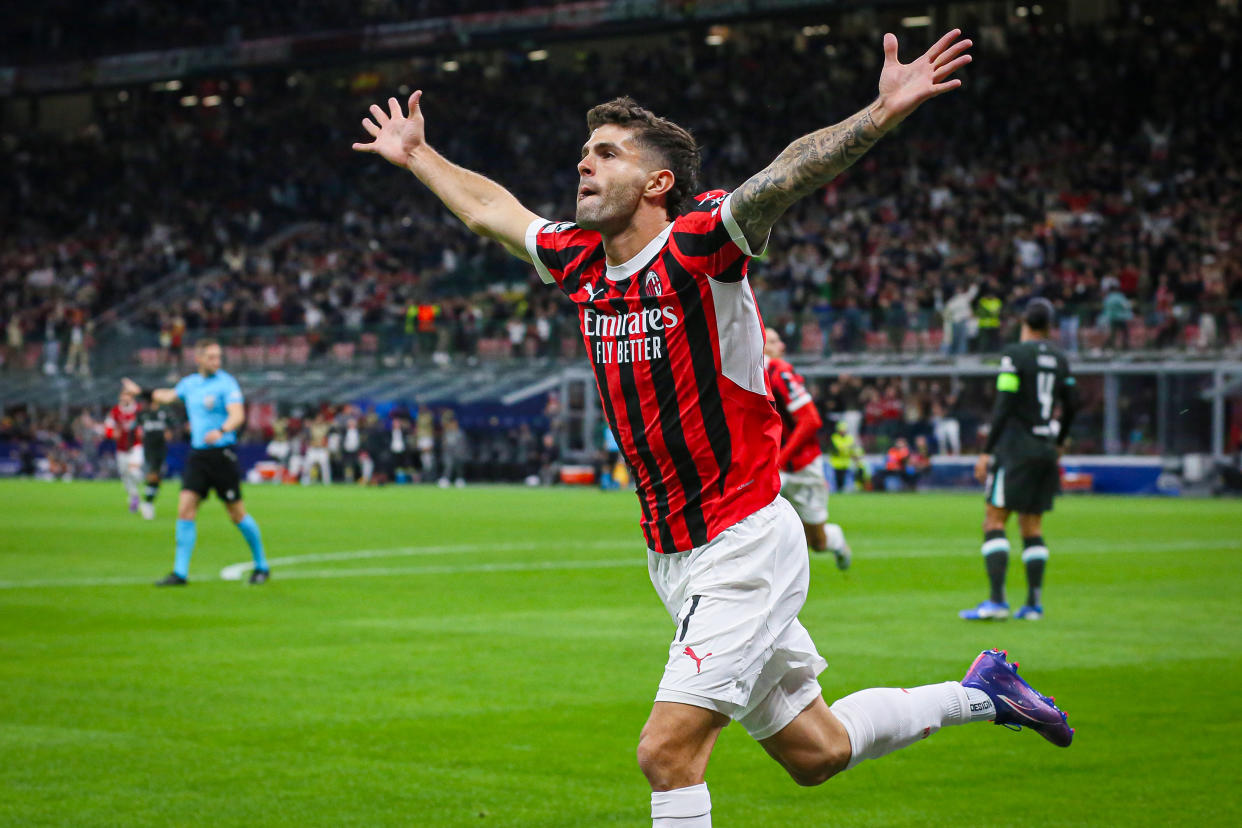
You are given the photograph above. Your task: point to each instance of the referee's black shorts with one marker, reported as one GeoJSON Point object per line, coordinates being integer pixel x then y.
{"type": "Point", "coordinates": [213, 468]}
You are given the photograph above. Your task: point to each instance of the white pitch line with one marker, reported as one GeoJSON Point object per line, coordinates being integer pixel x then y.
{"type": "Point", "coordinates": [235, 572]}
{"type": "Point", "coordinates": [516, 566]}
{"type": "Point", "coordinates": [72, 582]}
{"type": "Point", "coordinates": [287, 563]}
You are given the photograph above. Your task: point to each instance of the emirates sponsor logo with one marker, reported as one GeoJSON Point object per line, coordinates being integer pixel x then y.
{"type": "Point", "coordinates": [633, 323]}
{"type": "Point", "coordinates": [621, 338]}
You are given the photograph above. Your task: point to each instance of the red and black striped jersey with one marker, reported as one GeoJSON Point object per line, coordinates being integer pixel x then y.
{"type": "Point", "coordinates": [789, 389]}
{"type": "Point", "coordinates": [676, 341]}
{"type": "Point", "coordinates": [122, 426]}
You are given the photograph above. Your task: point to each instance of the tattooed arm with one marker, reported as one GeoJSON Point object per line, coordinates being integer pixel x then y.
{"type": "Point", "coordinates": [813, 160]}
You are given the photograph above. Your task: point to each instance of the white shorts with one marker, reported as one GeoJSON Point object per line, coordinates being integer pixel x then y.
{"type": "Point", "coordinates": [807, 490]}
{"type": "Point", "coordinates": [130, 460]}
{"type": "Point", "coordinates": [738, 647]}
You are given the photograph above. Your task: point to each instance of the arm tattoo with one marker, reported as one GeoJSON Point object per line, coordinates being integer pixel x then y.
{"type": "Point", "coordinates": [806, 165]}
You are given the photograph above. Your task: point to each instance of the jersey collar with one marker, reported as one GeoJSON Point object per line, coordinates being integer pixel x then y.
{"type": "Point", "coordinates": [616, 273]}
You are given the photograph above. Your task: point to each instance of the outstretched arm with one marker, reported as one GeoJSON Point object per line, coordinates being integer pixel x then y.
{"type": "Point", "coordinates": [160, 396]}
{"type": "Point", "coordinates": [813, 160]}
{"type": "Point", "coordinates": [483, 205]}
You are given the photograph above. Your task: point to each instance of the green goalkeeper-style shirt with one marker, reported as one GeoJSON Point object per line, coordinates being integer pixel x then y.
{"type": "Point", "coordinates": [1036, 393]}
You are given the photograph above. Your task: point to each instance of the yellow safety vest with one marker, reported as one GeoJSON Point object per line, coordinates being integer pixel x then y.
{"type": "Point", "coordinates": [842, 450]}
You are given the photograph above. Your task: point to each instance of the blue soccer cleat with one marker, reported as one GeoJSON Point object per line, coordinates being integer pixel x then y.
{"type": "Point", "coordinates": [987, 611]}
{"type": "Point", "coordinates": [1018, 705]}
{"type": "Point", "coordinates": [1029, 613]}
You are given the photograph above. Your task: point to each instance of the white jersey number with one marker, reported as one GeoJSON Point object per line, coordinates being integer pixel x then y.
{"type": "Point", "coordinates": [1045, 383]}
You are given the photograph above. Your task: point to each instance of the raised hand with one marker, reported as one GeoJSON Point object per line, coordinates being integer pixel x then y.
{"type": "Point", "coordinates": [905, 86]}
{"type": "Point", "coordinates": [396, 135]}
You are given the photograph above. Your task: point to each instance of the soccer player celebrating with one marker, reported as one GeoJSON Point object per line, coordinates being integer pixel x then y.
{"type": "Point", "coordinates": [121, 425]}
{"type": "Point", "coordinates": [214, 405]}
{"type": "Point", "coordinates": [1022, 452]}
{"type": "Point", "coordinates": [674, 336]}
{"type": "Point", "coordinates": [801, 462]}
{"type": "Point", "coordinates": [153, 423]}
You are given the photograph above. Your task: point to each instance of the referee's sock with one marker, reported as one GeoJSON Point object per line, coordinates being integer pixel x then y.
{"type": "Point", "coordinates": [148, 494]}
{"type": "Point", "coordinates": [250, 531]}
{"type": "Point", "coordinates": [1035, 557]}
{"type": "Point", "coordinates": [996, 558]}
{"type": "Point", "coordinates": [187, 534]}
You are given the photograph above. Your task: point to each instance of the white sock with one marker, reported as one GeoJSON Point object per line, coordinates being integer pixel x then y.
{"type": "Point", "coordinates": [982, 708]}
{"type": "Point", "coordinates": [835, 536]}
{"type": "Point", "coordinates": [884, 719]}
{"type": "Point", "coordinates": [682, 808]}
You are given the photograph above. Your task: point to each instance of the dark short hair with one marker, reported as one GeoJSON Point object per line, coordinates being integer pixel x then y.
{"type": "Point", "coordinates": [1039, 314]}
{"type": "Point", "coordinates": [675, 146]}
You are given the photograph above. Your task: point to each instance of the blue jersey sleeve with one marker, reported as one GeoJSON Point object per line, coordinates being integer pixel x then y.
{"type": "Point", "coordinates": [233, 392]}
{"type": "Point", "coordinates": [182, 388]}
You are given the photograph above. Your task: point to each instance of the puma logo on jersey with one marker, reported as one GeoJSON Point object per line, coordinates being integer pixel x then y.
{"type": "Point", "coordinates": [698, 662]}
{"type": "Point", "coordinates": [595, 295]}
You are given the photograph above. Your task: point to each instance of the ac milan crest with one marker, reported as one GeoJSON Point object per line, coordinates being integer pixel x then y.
{"type": "Point", "coordinates": [651, 284]}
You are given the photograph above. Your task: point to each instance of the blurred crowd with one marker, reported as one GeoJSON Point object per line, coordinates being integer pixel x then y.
{"type": "Point", "coordinates": [72, 30]}
{"type": "Point", "coordinates": [344, 444]}
{"type": "Point", "coordinates": [1105, 187]}
{"type": "Point", "coordinates": [327, 444]}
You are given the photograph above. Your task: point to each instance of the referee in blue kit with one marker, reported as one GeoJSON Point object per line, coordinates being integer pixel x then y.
{"type": "Point", "coordinates": [214, 405]}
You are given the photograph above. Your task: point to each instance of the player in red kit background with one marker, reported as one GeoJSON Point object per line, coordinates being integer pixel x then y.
{"type": "Point", "coordinates": [121, 426]}
{"type": "Point", "coordinates": [801, 461]}
{"type": "Point", "coordinates": [657, 270]}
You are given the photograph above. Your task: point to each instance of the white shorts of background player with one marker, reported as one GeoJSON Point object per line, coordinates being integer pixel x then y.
{"type": "Point", "coordinates": [807, 489]}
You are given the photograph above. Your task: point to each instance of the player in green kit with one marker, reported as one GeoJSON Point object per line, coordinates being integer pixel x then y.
{"type": "Point", "coordinates": [1023, 451]}
{"type": "Point", "coordinates": [154, 421]}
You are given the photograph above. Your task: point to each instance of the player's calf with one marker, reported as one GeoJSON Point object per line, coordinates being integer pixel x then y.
{"type": "Point", "coordinates": [812, 748]}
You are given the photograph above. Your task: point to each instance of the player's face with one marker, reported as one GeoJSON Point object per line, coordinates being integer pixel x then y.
{"type": "Point", "coordinates": [127, 399]}
{"type": "Point", "coordinates": [209, 360]}
{"type": "Point", "coordinates": [611, 177]}
{"type": "Point", "coordinates": [773, 345]}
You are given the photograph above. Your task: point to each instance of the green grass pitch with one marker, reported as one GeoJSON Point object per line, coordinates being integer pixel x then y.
{"type": "Point", "coordinates": [486, 657]}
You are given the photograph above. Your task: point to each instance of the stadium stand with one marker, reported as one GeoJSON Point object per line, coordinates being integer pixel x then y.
{"type": "Point", "coordinates": [229, 203]}
{"type": "Point", "coordinates": [1123, 218]}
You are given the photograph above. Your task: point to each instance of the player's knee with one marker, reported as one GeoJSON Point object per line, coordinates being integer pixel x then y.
{"type": "Point", "coordinates": [661, 762]}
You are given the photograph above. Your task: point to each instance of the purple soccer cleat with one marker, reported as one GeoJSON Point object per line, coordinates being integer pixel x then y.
{"type": "Point", "coordinates": [1018, 704]}
{"type": "Point", "coordinates": [133, 503]}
